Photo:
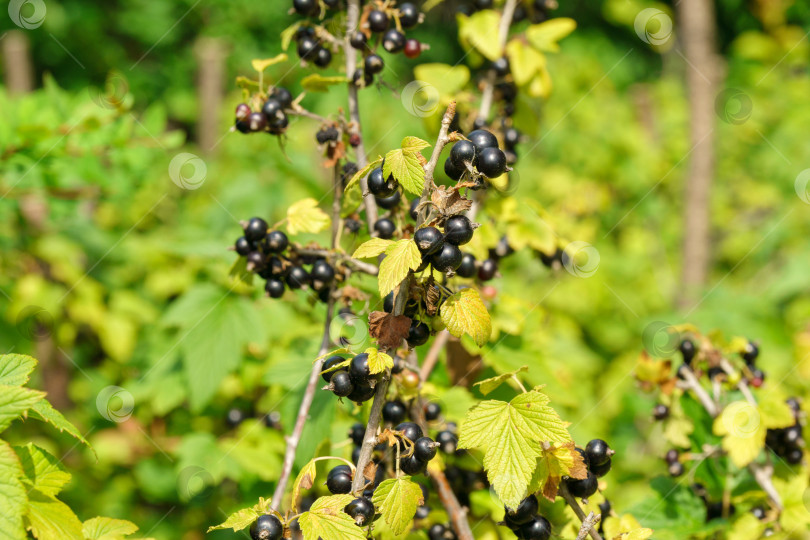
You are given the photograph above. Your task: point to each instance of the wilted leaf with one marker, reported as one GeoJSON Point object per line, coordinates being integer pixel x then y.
{"type": "Point", "coordinates": [388, 329]}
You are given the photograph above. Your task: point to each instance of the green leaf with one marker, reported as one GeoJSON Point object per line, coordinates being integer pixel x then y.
{"type": "Point", "coordinates": [288, 34]}
{"type": "Point", "coordinates": [326, 519]}
{"type": "Point", "coordinates": [465, 313]}
{"type": "Point", "coordinates": [104, 528]}
{"type": "Point", "coordinates": [378, 361]}
{"type": "Point", "coordinates": [44, 411]}
{"type": "Point", "coordinates": [305, 216]}
{"type": "Point", "coordinates": [42, 470]}
{"type": "Point", "coordinates": [238, 520]}
{"type": "Point", "coordinates": [15, 369]}
{"type": "Point", "coordinates": [14, 401]}
{"type": "Point", "coordinates": [372, 248]}
{"type": "Point", "coordinates": [414, 144]}
{"type": "Point", "coordinates": [50, 519]}
{"type": "Point", "coordinates": [397, 500]}
{"type": "Point", "coordinates": [362, 173]}
{"type": "Point", "coordinates": [510, 434]}
{"type": "Point", "coordinates": [489, 385]}
{"type": "Point", "coordinates": [480, 31]}
{"type": "Point", "coordinates": [318, 83]}
{"type": "Point", "coordinates": [12, 494]}
{"type": "Point", "coordinates": [793, 491]}
{"type": "Point", "coordinates": [262, 64]}
{"type": "Point", "coordinates": [239, 272]}
{"type": "Point", "coordinates": [526, 61]}
{"type": "Point", "coordinates": [544, 36]}
{"type": "Point", "coordinates": [405, 165]}
{"type": "Point", "coordinates": [747, 527]}
{"type": "Point", "coordinates": [775, 412]}
{"type": "Point", "coordinates": [304, 480]}
{"type": "Point", "coordinates": [401, 257]}
{"type": "Point", "coordinates": [743, 432]}
{"type": "Point", "coordinates": [448, 80]}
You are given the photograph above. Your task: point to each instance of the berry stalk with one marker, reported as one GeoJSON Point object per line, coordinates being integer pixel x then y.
{"type": "Point", "coordinates": [572, 502]}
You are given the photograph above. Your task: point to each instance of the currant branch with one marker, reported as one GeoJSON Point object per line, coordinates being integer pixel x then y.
{"type": "Point", "coordinates": [572, 502]}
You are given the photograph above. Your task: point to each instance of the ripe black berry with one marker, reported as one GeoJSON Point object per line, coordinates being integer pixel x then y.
{"type": "Point", "coordinates": [357, 432]}
{"type": "Point", "coordinates": [792, 434]}
{"type": "Point", "coordinates": [583, 488]}
{"type": "Point", "coordinates": [389, 202]}
{"type": "Point", "coordinates": [437, 531]}
{"type": "Point", "coordinates": [274, 288]}
{"type": "Point", "coordinates": [278, 124]}
{"type": "Point", "coordinates": [381, 186]}
{"type": "Point", "coordinates": [525, 511]}
{"type": "Point", "coordinates": [361, 75]}
{"type": "Point", "coordinates": [751, 353]}
{"type": "Point", "coordinates": [453, 172]}
{"type": "Point", "coordinates": [447, 258]}
{"type": "Point", "coordinates": [458, 231]}
{"type": "Point", "coordinates": [675, 469]}
{"type": "Point", "coordinates": [432, 411]}
{"type": "Point", "coordinates": [359, 369]}
{"type": "Point", "coordinates": [393, 41]}
{"type": "Point", "coordinates": [339, 484]}
{"type": "Point", "coordinates": [412, 48]}
{"type": "Point", "coordinates": [491, 162]}
{"type": "Point", "coordinates": [758, 512]}
{"type": "Point", "coordinates": [255, 229]}
{"type": "Point", "coordinates": [271, 108]}
{"type": "Point", "coordinates": [482, 4]}
{"type": "Point", "coordinates": [242, 246]}
{"type": "Point", "coordinates": [479, 123]}
{"type": "Point", "coordinates": [537, 529]}
{"type": "Point", "coordinates": [412, 465]}
{"type": "Point", "coordinates": [308, 47]}
{"type": "Point", "coordinates": [266, 527]}
{"type": "Point", "coordinates": [422, 512]}
{"type": "Point", "coordinates": [448, 442]}
{"type": "Point", "coordinates": [501, 249]}
{"type": "Point", "coordinates": [462, 151]}
{"type": "Point", "coordinates": [276, 241]}
{"type": "Point", "coordinates": [488, 269]}
{"type": "Point", "coordinates": [482, 138]}
{"type": "Point", "coordinates": [352, 225]}
{"type": "Point", "coordinates": [297, 278]}
{"type": "Point", "coordinates": [255, 260]}
{"type": "Point", "coordinates": [373, 64]}
{"type": "Point", "coordinates": [598, 452]}
{"type": "Point", "coordinates": [410, 430]}
{"type": "Point", "coordinates": [671, 456]}
{"type": "Point", "coordinates": [242, 126]}
{"type": "Point", "coordinates": [339, 469]}
{"type": "Point", "coordinates": [418, 334]}
{"type": "Point", "coordinates": [794, 456]}
{"type": "Point", "coordinates": [467, 268]}
{"type": "Point", "coordinates": [242, 111]}
{"type": "Point", "coordinates": [660, 412]}
{"type": "Point", "coordinates": [361, 510]}
{"type": "Point", "coordinates": [408, 15]}
{"type": "Point", "coordinates": [358, 40]}
{"type": "Point", "coordinates": [394, 412]}
{"type": "Point", "coordinates": [511, 137]}
{"type": "Point", "coordinates": [331, 3]}
{"type": "Point", "coordinates": [305, 7]}
{"type": "Point", "coordinates": [322, 274]}
{"type": "Point", "coordinates": [323, 57]}
{"type": "Point", "coordinates": [757, 377]}
{"type": "Point", "coordinates": [341, 383]}
{"type": "Point", "coordinates": [428, 240]}
{"type": "Point", "coordinates": [377, 21]}
{"type": "Point", "coordinates": [235, 417]}
{"type": "Point", "coordinates": [501, 66]}
{"type": "Point", "coordinates": [361, 393]}
{"type": "Point", "coordinates": [424, 449]}
{"type": "Point", "coordinates": [385, 228]}
{"type": "Point", "coordinates": [328, 363]}
{"type": "Point", "coordinates": [600, 470]}
{"type": "Point", "coordinates": [283, 96]}
{"type": "Point", "coordinates": [687, 350]}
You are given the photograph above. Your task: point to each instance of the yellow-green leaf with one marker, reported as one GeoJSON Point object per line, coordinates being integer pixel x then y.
{"type": "Point", "coordinates": [318, 83]}
{"type": "Point", "coordinates": [15, 369]}
{"type": "Point", "coordinates": [378, 361]}
{"type": "Point", "coordinates": [12, 493]}
{"type": "Point", "coordinates": [743, 432]}
{"type": "Point", "coordinates": [44, 411]}
{"type": "Point", "coordinates": [554, 463]}
{"type": "Point", "coordinates": [406, 168]}
{"type": "Point", "coordinates": [361, 173]}
{"type": "Point", "coordinates": [51, 519]}
{"type": "Point", "coordinates": [793, 491]}
{"type": "Point", "coordinates": [544, 36]}
{"type": "Point", "coordinates": [15, 400]}
{"type": "Point", "coordinates": [746, 527]}
{"type": "Point", "coordinates": [262, 64]}
{"type": "Point", "coordinates": [243, 518]}
{"type": "Point", "coordinates": [372, 248]}
{"type": "Point", "coordinates": [414, 144]}
{"type": "Point", "coordinates": [305, 216]}
{"type": "Point", "coordinates": [480, 31]}
{"type": "Point", "coordinates": [240, 273]}
{"type": "Point", "coordinates": [326, 519]}
{"type": "Point", "coordinates": [489, 385]}
{"type": "Point", "coordinates": [397, 500]}
{"type": "Point", "coordinates": [104, 528]}
{"type": "Point", "coordinates": [401, 257]}
{"type": "Point", "coordinates": [42, 470]}
{"type": "Point", "coordinates": [288, 34]}
{"type": "Point", "coordinates": [446, 79]}
{"type": "Point", "coordinates": [465, 313]}
{"type": "Point", "coordinates": [524, 61]}
{"type": "Point", "coordinates": [775, 412]}
{"type": "Point", "coordinates": [304, 480]}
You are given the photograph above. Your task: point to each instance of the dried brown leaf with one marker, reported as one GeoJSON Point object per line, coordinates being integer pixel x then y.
{"type": "Point", "coordinates": [389, 330]}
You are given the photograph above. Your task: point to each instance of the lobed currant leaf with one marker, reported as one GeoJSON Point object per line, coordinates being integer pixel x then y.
{"type": "Point", "coordinates": [15, 369]}
{"type": "Point", "coordinates": [489, 385]}
{"type": "Point", "coordinates": [397, 500]}
{"type": "Point", "coordinates": [241, 519]}
{"type": "Point", "coordinates": [355, 180]}
{"type": "Point", "coordinates": [318, 83]}
{"type": "Point", "coordinates": [476, 31]}
{"type": "Point", "coordinates": [13, 498]}
{"type": "Point", "coordinates": [326, 519]}
{"type": "Point", "coordinates": [378, 361]}
{"type": "Point", "coordinates": [16, 400]}
{"type": "Point", "coordinates": [42, 471]}
{"type": "Point", "coordinates": [372, 248]}
{"type": "Point", "coordinates": [304, 480]}
{"type": "Point", "coordinates": [401, 257]}
{"type": "Point", "coordinates": [406, 166]}
{"type": "Point", "coordinates": [544, 36]}
{"type": "Point", "coordinates": [305, 216]}
{"type": "Point", "coordinates": [104, 528]}
{"type": "Point", "coordinates": [554, 463]}
{"type": "Point", "coordinates": [262, 64]}
{"type": "Point", "coordinates": [465, 313]}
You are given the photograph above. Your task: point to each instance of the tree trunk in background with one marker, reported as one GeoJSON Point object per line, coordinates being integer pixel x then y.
{"type": "Point", "coordinates": [210, 81]}
{"type": "Point", "coordinates": [697, 30]}
{"type": "Point", "coordinates": [19, 75]}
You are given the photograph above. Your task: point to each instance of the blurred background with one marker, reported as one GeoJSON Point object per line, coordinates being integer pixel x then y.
{"type": "Point", "coordinates": [106, 265]}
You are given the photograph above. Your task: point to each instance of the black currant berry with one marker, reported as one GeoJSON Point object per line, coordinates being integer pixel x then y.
{"type": "Point", "coordinates": [305, 7]}
{"type": "Point", "coordinates": [501, 66]}
{"type": "Point", "coordinates": [358, 40]}
{"type": "Point", "coordinates": [408, 15]}
{"type": "Point", "coordinates": [331, 3]}
{"type": "Point", "coordinates": [328, 363]}
{"type": "Point", "coordinates": [388, 302]}
{"type": "Point", "coordinates": [276, 242]}
{"type": "Point", "coordinates": [458, 231]}
{"type": "Point", "coordinates": [399, 365]}
{"type": "Point", "coordinates": [437, 532]}
{"type": "Point", "coordinates": [362, 393]}
{"type": "Point", "coordinates": [242, 126]}
{"type": "Point", "coordinates": [660, 412]}
{"type": "Point", "coordinates": [461, 153]}
{"type": "Point", "coordinates": [601, 470]}
{"type": "Point", "coordinates": [339, 469]}
{"type": "Point", "coordinates": [357, 432]}
{"type": "Point", "coordinates": [422, 512]}
{"type": "Point", "coordinates": [582, 488]}
{"type": "Point", "coordinates": [381, 186]}
{"type": "Point", "coordinates": [675, 469]}
{"type": "Point", "coordinates": [352, 225]}
{"type": "Point", "coordinates": [394, 412]}
{"type": "Point", "coordinates": [412, 465]}
{"type": "Point", "coordinates": [283, 96]}
{"type": "Point", "coordinates": [322, 274]}
{"type": "Point", "coordinates": [453, 172]}
{"type": "Point", "coordinates": [482, 138]}
{"type": "Point", "coordinates": [361, 75]}
{"type": "Point", "coordinates": [447, 258]}
{"type": "Point", "coordinates": [339, 484]}
{"type": "Point", "coordinates": [511, 137]}
{"type": "Point", "coordinates": [297, 278]}
{"type": "Point", "coordinates": [385, 228]}
{"type": "Point", "coordinates": [448, 442]}
{"type": "Point", "coordinates": [242, 111]}
{"type": "Point", "coordinates": [757, 377]}
{"type": "Point", "coordinates": [255, 260]}
{"type": "Point", "coordinates": [271, 108]}
{"type": "Point", "coordinates": [428, 240]}
{"type": "Point", "coordinates": [361, 510]}
{"type": "Point", "coordinates": [758, 512]}
{"type": "Point", "coordinates": [488, 269]}
{"type": "Point", "coordinates": [794, 456]}
{"type": "Point", "coordinates": [418, 334]}
{"type": "Point", "coordinates": [432, 411]}
{"type": "Point", "coordinates": [525, 511]}
{"type": "Point", "coordinates": [501, 249]}
{"type": "Point", "coordinates": [255, 229]}
{"type": "Point", "coordinates": [323, 57]}
{"type": "Point", "coordinates": [308, 47]}
{"type": "Point", "coordinates": [274, 288]}
{"type": "Point", "coordinates": [687, 350]}
{"type": "Point", "coordinates": [341, 383]}
{"type": "Point", "coordinates": [671, 456]}
{"type": "Point", "coordinates": [410, 430]}
{"type": "Point", "coordinates": [278, 124]}
{"type": "Point", "coordinates": [598, 452]}
{"type": "Point", "coordinates": [235, 417]}
{"type": "Point", "coordinates": [373, 64]}
{"type": "Point", "coordinates": [479, 123]}
{"type": "Point", "coordinates": [467, 268]}
{"type": "Point", "coordinates": [243, 246]}
{"type": "Point", "coordinates": [792, 435]}
{"type": "Point", "coordinates": [359, 369]}
{"type": "Point", "coordinates": [266, 527]}
{"type": "Point", "coordinates": [393, 41]}
{"type": "Point", "coordinates": [377, 21]}
{"type": "Point", "coordinates": [389, 202]}
{"type": "Point", "coordinates": [537, 529]}
{"type": "Point", "coordinates": [424, 449]}
{"type": "Point", "coordinates": [751, 353]}
{"type": "Point", "coordinates": [491, 162]}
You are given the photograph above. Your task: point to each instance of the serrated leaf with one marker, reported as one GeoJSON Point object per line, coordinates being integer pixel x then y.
{"type": "Point", "coordinates": [372, 248]}
{"type": "Point", "coordinates": [378, 361]}
{"type": "Point", "coordinates": [43, 410]}
{"type": "Point", "coordinates": [318, 83]}
{"type": "Point", "coordinates": [305, 216]}
{"type": "Point", "coordinates": [238, 520]}
{"type": "Point", "coordinates": [401, 257]}
{"type": "Point", "coordinates": [414, 144]}
{"type": "Point", "coordinates": [288, 34]}
{"type": "Point", "coordinates": [362, 173]}
{"type": "Point", "coordinates": [465, 313]}
{"type": "Point", "coordinates": [51, 519]}
{"type": "Point", "coordinates": [326, 519]}
{"type": "Point", "coordinates": [342, 350]}
{"type": "Point", "coordinates": [14, 401]}
{"type": "Point", "coordinates": [524, 61]}
{"type": "Point", "coordinates": [554, 463]}
{"type": "Point", "coordinates": [775, 412]}
{"type": "Point", "coordinates": [793, 490]}
{"type": "Point", "coordinates": [510, 435]}
{"type": "Point", "coordinates": [480, 31]}
{"type": "Point", "coordinates": [12, 494]}
{"type": "Point", "coordinates": [304, 480]}
{"type": "Point", "coordinates": [397, 500]}
{"type": "Point", "coordinates": [489, 385]}
{"type": "Point", "coordinates": [406, 168]}
{"type": "Point", "coordinates": [544, 36]}
{"type": "Point", "coordinates": [104, 528]}
{"type": "Point", "coordinates": [42, 470]}
{"type": "Point", "coordinates": [262, 64]}
{"type": "Point", "coordinates": [15, 369]}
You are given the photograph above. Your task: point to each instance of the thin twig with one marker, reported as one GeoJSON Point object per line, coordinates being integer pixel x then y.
{"type": "Point", "coordinates": [366, 268]}
{"type": "Point", "coordinates": [457, 513]}
{"type": "Point", "coordinates": [432, 355]}
{"type": "Point", "coordinates": [572, 502]}
{"type": "Point", "coordinates": [693, 384]}
{"type": "Point", "coordinates": [588, 524]}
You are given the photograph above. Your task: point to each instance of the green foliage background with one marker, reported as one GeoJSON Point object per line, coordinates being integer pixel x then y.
{"type": "Point", "coordinates": [123, 262]}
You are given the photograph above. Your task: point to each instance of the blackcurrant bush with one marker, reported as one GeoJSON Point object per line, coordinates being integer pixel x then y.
{"type": "Point", "coordinates": [432, 411]}
{"type": "Point", "coordinates": [283, 96]}
{"type": "Point", "coordinates": [447, 258]}
{"type": "Point", "coordinates": [418, 334]}
{"type": "Point", "coordinates": [393, 41]}
{"type": "Point", "coordinates": [298, 277]}
{"type": "Point", "coordinates": [243, 246]}
{"type": "Point", "coordinates": [341, 383]}
{"type": "Point", "coordinates": [359, 369]}
{"type": "Point", "coordinates": [242, 111]}
{"type": "Point", "coordinates": [308, 47]}
{"type": "Point", "coordinates": [453, 172]}
{"type": "Point", "coordinates": [424, 449]}
{"type": "Point", "coordinates": [373, 64]}
{"type": "Point", "coordinates": [377, 20]}
{"type": "Point", "coordinates": [412, 48]}
{"type": "Point", "coordinates": [358, 40]}
{"type": "Point", "coordinates": [380, 186]}
{"type": "Point", "coordinates": [462, 152]}
{"type": "Point", "coordinates": [751, 353]}
{"type": "Point", "coordinates": [537, 529]}
{"type": "Point", "coordinates": [394, 412]}
{"type": "Point", "coordinates": [687, 350]}
{"type": "Point", "coordinates": [328, 363]}
{"type": "Point", "coordinates": [601, 470]}
{"type": "Point", "coordinates": [410, 430]}
{"type": "Point", "coordinates": [266, 527]}
{"type": "Point", "coordinates": [491, 162]}
{"type": "Point", "coordinates": [305, 7]}
{"type": "Point", "coordinates": [675, 469]}
{"type": "Point", "coordinates": [660, 412]}
{"type": "Point", "coordinates": [582, 488]}
{"type": "Point", "coordinates": [389, 202]}
{"type": "Point", "coordinates": [323, 57]}
{"type": "Point", "coordinates": [458, 231]}
{"type": "Point", "coordinates": [448, 442]}
{"type": "Point", "coordinates": [525, 511]}
{"type": "Point", "coordinates": [412, 465]}
{"type": "Point", "coordinates": [255, 229]}
{"type": "Point", "coordinates": [339, 484]}
{"type": "Point", "coordinates": [276, 242]}
{"type": "Point", "coordinates": [482, 138]}
{"type": "Point", "coordinates": [501, 66]}
{"type": "Point", "coordinates": [487, 270]}
{"type": "Point", "coordinates": [361, 510]}
{"type": "Point", "coordinates": [385, 228]}
{"type": "Point", "coordinates": [428, 240]}
{"type": "Point", "coordinates": [408, 15]}
{"type": "Point", "coordinates": [598, 452]}
{"type": "Point", "coordinates": [357, 433]}
{"type": "Point", "coordinates": [274, 288]}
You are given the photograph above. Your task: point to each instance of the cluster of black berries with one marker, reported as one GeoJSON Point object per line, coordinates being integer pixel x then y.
{"type": "Point", "coordinates": [339, 481]}
{"type": "Point", "coordinates": [236, 416]}
{"type": "Point", "coordinates": [557, 259]}
{"type": "Point", "coordinates": [479, 152]}
{"type": "Point", "coordinates": [265, 253]}
{"type": "Point", "coordinates": [753, 374]}
{"type": "Point", "coordinates": [674, 465]}
{"type": "Point", "coordinates": [597, 457]}
{"type": "Point", "coordinates": [271, 119]}
{"type": "Point", "coordinates": [788, 442]}
{"type": "Point", "coordinates": [525, 522]}
{"type": "Point", "coordinates": [714, 509]}
{"type": "Point", "coordinates": [441, 250]}
{"type": "Point", "coordinates": [354, 382]}
{"type": "Point", "coordinates": [310, 48]}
